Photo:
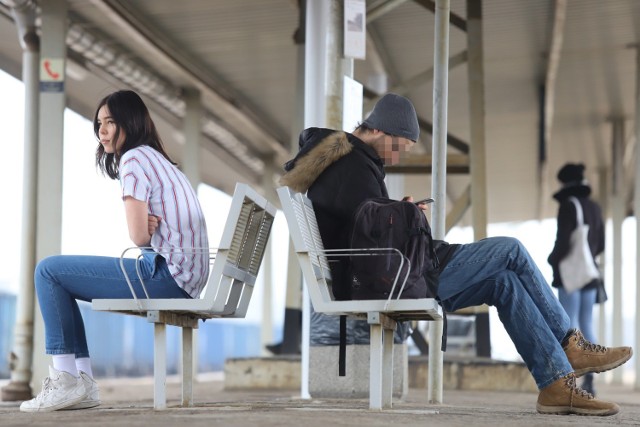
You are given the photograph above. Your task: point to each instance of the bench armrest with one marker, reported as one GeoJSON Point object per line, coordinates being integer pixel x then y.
{"type": "Point", "coordinates": [162, 250]}
{"type": "Point", "coordinates": [374, 252]}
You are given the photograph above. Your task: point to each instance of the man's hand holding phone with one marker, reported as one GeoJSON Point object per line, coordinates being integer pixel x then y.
{"type": "Point", "coordinates": [422, 204]}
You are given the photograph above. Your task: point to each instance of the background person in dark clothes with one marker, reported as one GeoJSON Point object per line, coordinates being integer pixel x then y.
{"type": "Point", "coordinates": [578, 304]}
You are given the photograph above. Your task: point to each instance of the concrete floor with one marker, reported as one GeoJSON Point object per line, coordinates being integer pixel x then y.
{"type": "Point", "coordinates": [129, 402]}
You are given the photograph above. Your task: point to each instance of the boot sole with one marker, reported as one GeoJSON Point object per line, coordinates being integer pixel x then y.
{"type": "Point", "coordinates": [85, 404]}
{"type": "Point", "coordinates": [567, 410]}
{"type": "Point", "coordinates": [56, 407]}
{"type": "Point", "coordinates": [603, 368]}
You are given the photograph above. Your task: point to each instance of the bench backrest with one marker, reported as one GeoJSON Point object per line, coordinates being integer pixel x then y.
{"type": "Point", "coordinates": [240, 252]}
{"type": "Point", "coordinates": [305, 234]}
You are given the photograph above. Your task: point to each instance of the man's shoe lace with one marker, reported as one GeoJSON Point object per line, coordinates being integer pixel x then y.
{"type": "Point", "coordinates": [588, 345]}
{"type": "Point", "coordinates": [573, 386]}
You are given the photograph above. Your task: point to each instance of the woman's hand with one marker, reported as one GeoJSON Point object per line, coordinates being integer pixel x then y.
{"type": "Point", "coordinates": [154, 222]}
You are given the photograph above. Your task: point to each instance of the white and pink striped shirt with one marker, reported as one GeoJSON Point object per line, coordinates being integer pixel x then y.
{"type": "Point", "coordinates": [147, 176]}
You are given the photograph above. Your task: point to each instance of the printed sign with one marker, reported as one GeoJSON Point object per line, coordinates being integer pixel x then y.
{"type": "Point", "coordinates": [51, 75]}
{"type": "Point", "coordinates": [355, 29]}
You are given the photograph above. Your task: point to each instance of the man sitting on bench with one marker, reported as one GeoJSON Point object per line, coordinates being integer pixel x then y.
{"type": "Point", "coordinates": [340, 170]}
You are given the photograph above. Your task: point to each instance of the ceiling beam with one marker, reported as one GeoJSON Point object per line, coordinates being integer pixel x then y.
{"type": "Point", "coordinates": [230, 107]}
{"type": "Point", "coordinates": [421, 164]}
{"type": "Point", "coordinates": [454, 19]}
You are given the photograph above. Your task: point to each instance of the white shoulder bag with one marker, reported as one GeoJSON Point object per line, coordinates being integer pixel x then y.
{"type": "Point", "coordinates": [578, 269]}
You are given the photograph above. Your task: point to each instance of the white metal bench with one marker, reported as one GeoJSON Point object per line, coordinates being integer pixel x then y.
{"type": "Point", "coordinates": [228, 292]}
{"type": "Point", "coordinates": [381, 315]}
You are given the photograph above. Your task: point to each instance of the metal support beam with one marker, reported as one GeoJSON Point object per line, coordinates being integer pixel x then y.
{"type": "Point", "coordinates": [548, 101]}
{"type": "Point", "coordinates": [636, 213]}
{"type": "Point", "coordinates": [422, 164]}
{"type": "Point", "coordinates": [317, 21]}
{"type": "Point", "coordinates": [618, 214]}
{"type": "Point", "coordinates": [379, 10]}
{"type": "Point", "coordinates": [438, 182]}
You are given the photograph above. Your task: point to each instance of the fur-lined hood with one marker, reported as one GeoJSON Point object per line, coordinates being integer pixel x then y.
{"type": "Point", "coordinates": [319, 148]}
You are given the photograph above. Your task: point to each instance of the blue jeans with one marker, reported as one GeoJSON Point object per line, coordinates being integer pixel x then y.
{"type": "Point", "coordinates": [579, 307]}
{"type": "Point", "coordinates": [62, 279]}
{"type": "Point", "coordinates": [500, 272]}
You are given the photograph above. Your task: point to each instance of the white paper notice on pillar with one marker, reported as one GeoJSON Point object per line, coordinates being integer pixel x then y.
{"type": "Point", "coordinates": [355, 29]}
{"type": "Point", "coordinates": [51, 75]}
{"type": "Point", "coordinates": [352, 104]}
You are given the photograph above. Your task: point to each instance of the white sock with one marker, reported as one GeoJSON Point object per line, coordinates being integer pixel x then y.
{"type": "Point", "coordinates": [84, 364]}
{"type": "Point", "coordinates": [65, 363]}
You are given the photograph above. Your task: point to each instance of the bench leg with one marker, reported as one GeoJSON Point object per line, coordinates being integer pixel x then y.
{"type": "Point", "coordinates": [387, 367]}
{"type": "Point", "coordinates": [159, 366]}
{"type": "Point", "coordinates": [187, 367]}
{"type": "Point", "coordinates": [375, 367]}
{"type": "Point", "coordinates": [380, 367]}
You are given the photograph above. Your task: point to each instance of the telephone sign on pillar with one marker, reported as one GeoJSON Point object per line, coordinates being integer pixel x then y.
{"type": "Point", "coordinates": [51, 75]}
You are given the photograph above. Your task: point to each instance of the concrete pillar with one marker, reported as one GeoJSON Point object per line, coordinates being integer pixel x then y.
{"type": "Point", "coordinates": [291, 334]}
{"type": "Point", "coordinates": [192, 130]}
{"type": "Point", "coordinates": [52, 105]}
{"type": "Point", "coordinates": [477, 153]}
{"type": "Point", "coordinates": [19, 388]}
{"type": "Point", "coordinates": [335, 64]}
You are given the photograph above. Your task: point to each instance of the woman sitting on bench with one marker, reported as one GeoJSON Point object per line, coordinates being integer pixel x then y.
{"type": "Point", "coordinates": [162, 212]}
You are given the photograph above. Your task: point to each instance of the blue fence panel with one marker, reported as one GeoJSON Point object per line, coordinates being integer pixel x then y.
{"type": "Point", "coordinates": [7, 327]}
{"type": "Point", "coordinates": [123, 345]}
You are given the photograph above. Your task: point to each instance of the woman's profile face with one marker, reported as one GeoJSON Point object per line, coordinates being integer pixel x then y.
{"type": "Point", "coordinates": [107, 132]}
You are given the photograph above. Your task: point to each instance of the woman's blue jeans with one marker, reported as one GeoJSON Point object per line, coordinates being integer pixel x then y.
{"type": "Point", "coordinates": [579, 307]}
{"type": "Point", "coordinates": [499, 271]}
{"type": "Point", "coordinates": [61, 280]}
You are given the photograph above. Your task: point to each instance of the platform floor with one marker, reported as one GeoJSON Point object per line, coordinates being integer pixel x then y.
{"type": "Point", "coordinates": [128, 403]}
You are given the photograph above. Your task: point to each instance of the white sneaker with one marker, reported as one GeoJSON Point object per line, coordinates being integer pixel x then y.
{"type": "Point", "coordinates": [59, 390]}
{"type": "Point", "coordinates": [93, 395]}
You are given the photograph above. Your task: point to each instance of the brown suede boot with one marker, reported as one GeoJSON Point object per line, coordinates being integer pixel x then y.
{"type": "Point", "coordinates": [586, 357]}
{"type": "Point", "coordinates": [564, 397]}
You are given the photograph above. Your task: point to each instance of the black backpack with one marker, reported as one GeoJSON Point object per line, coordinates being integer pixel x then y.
{"type": "Point", "coordinates": [386, 223]}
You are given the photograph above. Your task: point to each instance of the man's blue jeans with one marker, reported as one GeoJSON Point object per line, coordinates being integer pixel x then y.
{"type": "Point", "coordinates": [499, 271]}
{"type": "Point", "coordinates": [61, 280]}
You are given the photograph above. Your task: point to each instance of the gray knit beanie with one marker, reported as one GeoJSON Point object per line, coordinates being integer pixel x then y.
{"type": "Point", "coordinates": [395, 115]}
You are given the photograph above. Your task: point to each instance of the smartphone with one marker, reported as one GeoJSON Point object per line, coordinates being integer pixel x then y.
{"type": "Point", "coordinates": [425, 201]}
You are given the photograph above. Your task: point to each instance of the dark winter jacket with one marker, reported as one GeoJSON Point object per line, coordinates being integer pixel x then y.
{"type": "Point", "coordinates": [567, 222]}
{"type": "Point", "coordinates": [339, 172]}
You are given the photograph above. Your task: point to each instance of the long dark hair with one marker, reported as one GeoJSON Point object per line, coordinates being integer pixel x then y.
{"type": "Point", "coordinates": [132, 117]}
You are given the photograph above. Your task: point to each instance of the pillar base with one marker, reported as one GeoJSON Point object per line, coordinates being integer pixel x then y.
{"type": "Point", "coordinates": [16, 390]}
